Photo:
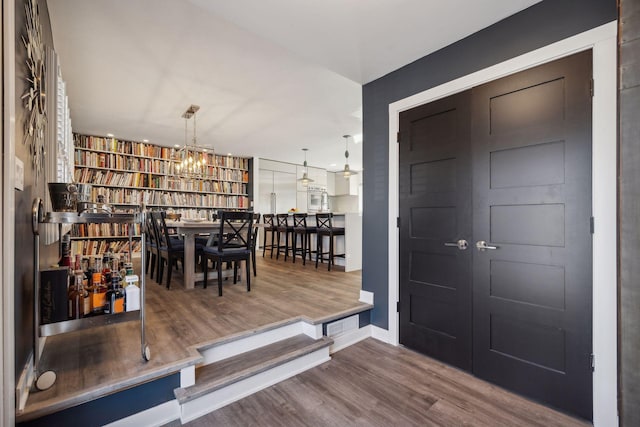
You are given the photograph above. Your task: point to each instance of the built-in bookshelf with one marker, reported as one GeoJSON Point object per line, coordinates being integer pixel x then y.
{"type": "Point", "coordinates": [129, 174]}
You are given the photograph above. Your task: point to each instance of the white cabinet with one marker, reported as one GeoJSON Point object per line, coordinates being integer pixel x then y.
{"type": "Point", "coordinates": [331, 183]}
{"type": "Point", "coordinates": [277, 191]}
{"type": "Point", "coordinates": [346, 187]}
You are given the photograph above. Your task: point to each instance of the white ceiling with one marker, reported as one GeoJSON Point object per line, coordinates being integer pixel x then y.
{"type": "Point", "coordinates": [270, 77]}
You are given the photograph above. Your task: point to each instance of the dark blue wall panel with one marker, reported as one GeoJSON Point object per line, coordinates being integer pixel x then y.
{"type": "Point", "coordinates": [114, 407]}
{"type": "Point", "coordinates": [535, 27]}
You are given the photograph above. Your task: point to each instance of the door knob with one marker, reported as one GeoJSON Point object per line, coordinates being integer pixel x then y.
{"type": "Point", "coordinates": [483, 246]}
{"type": "Point", "coordinates": [460, 244]}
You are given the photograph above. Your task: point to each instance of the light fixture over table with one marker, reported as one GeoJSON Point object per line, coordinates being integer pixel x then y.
{"type": "Point", "coordinates": [192, 160]}
{"type": "Point", "coordinates": [347, 172]}
{"type": "Point", "coordinates": [305, 180]}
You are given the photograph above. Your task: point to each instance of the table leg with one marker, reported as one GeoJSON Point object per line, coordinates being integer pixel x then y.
{"type": "Point", "coordinates": [189, 260]}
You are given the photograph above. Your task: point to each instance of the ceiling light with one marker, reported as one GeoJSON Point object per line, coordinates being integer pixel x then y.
{"type": "Point", "coordinates": [191, 161]}
{"type": "Point", "coordinates": [347, 172]}
{"type": "Point", "coordinates": [145, 140]}
{"type": "Point", "coordinates": [305, 180]}
{"type": "Point", "coordinates": [109, 135]}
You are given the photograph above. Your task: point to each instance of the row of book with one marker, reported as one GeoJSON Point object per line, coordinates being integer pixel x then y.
{"type": "Point", "coordinates": [113, 145]}
{"type": "Point", "coordinates": [143, 180]}
{"type": "Point", "coordinates": [127, 196]}
{"type": "Point", "coordinates": [104, 230]}
{"type": "Point", "coordinates": [97, 247]}
{"type": "Point", "coordinates": [156, 166]}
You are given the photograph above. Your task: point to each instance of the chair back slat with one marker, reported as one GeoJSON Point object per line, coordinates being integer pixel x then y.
{"type": "Point", "coordinates": [323, 221]}
{"type": "Point", "coordinates": [283, 220]}
{"type": "Point", "coordinates": [268, 220]}
{"type": "Point", "coordinates": [150, 229]}
{"type": "Point", "coordinates": [162, 232]}
{"type": "Point", "coordinates": [235, 230]}
{"type": "Point", "coordinates": [300, 220]}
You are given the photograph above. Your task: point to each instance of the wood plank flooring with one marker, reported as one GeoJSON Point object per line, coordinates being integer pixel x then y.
{"type": "Point", "coordinates": [375, 384]}
{"type": "Point", "coordinates": [99, 361]}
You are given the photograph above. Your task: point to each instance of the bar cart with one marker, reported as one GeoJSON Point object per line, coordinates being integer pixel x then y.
{"type": "Point", "coordinates": [45, 380]}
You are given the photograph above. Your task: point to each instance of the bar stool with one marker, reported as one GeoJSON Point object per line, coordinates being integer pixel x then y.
{"type": "Point", "coordinates": [325, 228]}
{"type": "Point", "coordinates": [300, 228]}
{"type": "Point", "coordinates": [283, 227]}
{"type": "Point", "coordinates": [270, 227]}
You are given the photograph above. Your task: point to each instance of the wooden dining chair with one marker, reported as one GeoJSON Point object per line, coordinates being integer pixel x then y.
{"type": "Point", "coordinates": [234, 245]}
{"type": "Point", "coordinates": [170, 249]}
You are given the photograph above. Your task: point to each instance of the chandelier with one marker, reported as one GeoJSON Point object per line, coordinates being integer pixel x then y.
{"type": "Point", "coordinates": [347, 172]}
{"type": "Point", "coordinates": [191, 160]}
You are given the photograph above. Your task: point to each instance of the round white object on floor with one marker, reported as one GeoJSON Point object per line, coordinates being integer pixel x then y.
{"type": "Point", "coordinates": [46, 380]}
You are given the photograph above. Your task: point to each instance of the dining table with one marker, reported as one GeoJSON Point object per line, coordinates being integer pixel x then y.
{"type": "Point", "coordinates": [189, 228]}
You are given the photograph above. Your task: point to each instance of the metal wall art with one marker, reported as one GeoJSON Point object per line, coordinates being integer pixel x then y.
{"type": "Point", "coordinates": [35, 95]}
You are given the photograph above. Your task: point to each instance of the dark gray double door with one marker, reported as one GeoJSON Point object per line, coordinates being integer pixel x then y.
{"type": "Point", "coordinates": [495, 232]}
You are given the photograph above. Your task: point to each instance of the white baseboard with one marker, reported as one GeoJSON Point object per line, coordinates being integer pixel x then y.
{"type": "Point", "coordinates": [381, 335]}
{"type": "Point", "coordinates": [349, 338]}
{"type": "Point", "coordinates": [236, 391]}
{"type": "Point", "coordinates": [366, 297]}
{"type": "Point", "coordinates": [152, 417]}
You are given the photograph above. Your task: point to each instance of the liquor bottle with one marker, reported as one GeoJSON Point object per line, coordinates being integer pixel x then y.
{"type": "Point", "coordinates": [106, 269]}
{"type": "Point", "coordinates": [115, 297]}
{"type": "Point", "coordinates": [132, 291]}
{"type": "Point", "coordinates": [77, 297]}
{"type": "Point", "coordinates": [99, 294]}
{"type": "Point", "coordinates": [65, 249]}
{"type": "Point", "coordinates": [83, 292]}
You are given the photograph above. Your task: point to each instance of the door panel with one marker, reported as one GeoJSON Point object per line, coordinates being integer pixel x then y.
{"type": "Point", "coordinates": [532, 200]}
{"type": "Point", "coordinates": [508, 163]}
{"type": "Point", "coordinates": [435, 207]}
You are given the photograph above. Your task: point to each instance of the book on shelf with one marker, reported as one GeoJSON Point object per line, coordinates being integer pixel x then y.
{"type": "Point", "coordinates": [97, 247]}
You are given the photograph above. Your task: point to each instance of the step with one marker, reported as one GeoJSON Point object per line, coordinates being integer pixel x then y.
{"type": "Point", "coordinates": [220, 383]}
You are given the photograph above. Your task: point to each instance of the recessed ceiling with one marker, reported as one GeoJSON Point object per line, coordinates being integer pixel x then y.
{"type": "Point", "coordinates": [270, 77]}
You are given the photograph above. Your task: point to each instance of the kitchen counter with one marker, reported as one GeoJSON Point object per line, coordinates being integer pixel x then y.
{"type": "Point", "coordinates": [351, 245]}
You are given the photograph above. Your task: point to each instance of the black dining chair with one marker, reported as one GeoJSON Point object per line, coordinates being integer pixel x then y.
{"type": "Point", "coordinates": [169, 250]}
{"type": "Point", "coordinates": [254, 239]}
{"type": "Point", "coordinates": [151, 244]}
{"type": "Point", "coordinates": [283, 227]}
{"type": "Point", "coordinates": [300, 228]}
{"type": "Point", "coordinates": [325, 228]}
{"type": "Point", "coordinates": [268, 226]}
{"type": "Point", "coordinates": [234, 245]}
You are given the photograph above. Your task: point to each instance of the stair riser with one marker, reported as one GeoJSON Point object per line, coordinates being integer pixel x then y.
{"type": "Point", "coordinates": [252, 342]}
{"type": "Point", "coordinates": [238, 390]}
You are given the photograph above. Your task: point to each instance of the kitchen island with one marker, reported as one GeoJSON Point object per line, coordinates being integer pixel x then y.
{"type": "Point", "coordinates": [351, 245]}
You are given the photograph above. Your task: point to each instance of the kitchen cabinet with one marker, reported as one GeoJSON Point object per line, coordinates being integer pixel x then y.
{"type": "Point", "coordinates": [346, 187]}
{"type": "Point", "coordinates": [277, 191]}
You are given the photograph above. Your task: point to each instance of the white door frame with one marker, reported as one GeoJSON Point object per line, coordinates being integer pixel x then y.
{"type": "Point", "coordinates": [603, 41]}
{"type": "Point", "coordinates": [7, 215]}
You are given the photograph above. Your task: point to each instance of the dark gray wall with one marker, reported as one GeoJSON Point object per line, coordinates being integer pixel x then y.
{"type": "Point", "coordinates": [540, 25]}
{"type": "Point", "coordinates": [629, 196]}
{"type": "Point", "coordinates": [23, 199]}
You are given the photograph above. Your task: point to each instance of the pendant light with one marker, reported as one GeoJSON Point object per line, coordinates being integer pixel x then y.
{"type": "Point", "coordinates": [346, 172]}
{"type": "Point", "coordinates": [191, 159]}
{"type": "Point", "coordinates": [305, 180]}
